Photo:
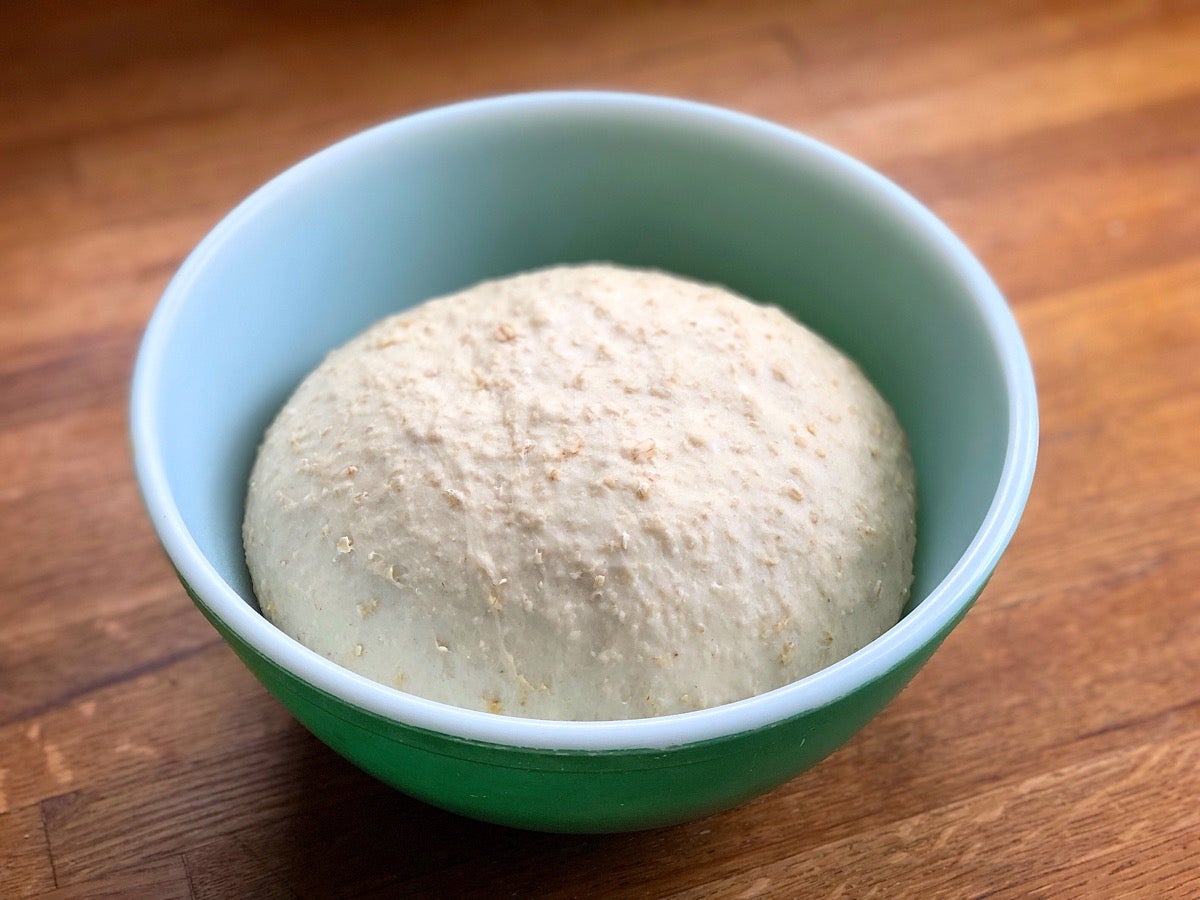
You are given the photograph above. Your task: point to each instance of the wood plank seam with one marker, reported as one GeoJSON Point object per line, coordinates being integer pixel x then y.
{"type": "Point", "coordinates": [46, 838]}
{"type": "Point", "coordinates": [151, 666]}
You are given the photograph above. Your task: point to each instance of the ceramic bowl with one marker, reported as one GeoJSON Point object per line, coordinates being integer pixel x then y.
{"type": "Point", "coordinates": [436, 201]}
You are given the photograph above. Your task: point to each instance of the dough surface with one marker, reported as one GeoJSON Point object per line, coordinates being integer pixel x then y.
{"type": "Point", "coordinates": [584, 492]}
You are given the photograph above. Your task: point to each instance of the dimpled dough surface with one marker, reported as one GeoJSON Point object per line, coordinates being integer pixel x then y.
{"type": "Point", "coordinates": [584, 493]}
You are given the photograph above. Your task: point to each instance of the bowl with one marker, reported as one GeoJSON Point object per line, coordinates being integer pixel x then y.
{"type": "Point", "coordinates": [436, 201]}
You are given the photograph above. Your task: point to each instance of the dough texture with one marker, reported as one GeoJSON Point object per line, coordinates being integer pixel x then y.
{"type": "Point", "coordinates": [584, 492]}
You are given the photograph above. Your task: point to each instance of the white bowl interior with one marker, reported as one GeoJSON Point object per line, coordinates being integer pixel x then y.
{"type": "Point", "coordinates": [438, 201]}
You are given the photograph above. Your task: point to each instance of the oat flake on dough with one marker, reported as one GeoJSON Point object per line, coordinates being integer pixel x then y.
{"type": "Point", "coordinates": [584, 493]}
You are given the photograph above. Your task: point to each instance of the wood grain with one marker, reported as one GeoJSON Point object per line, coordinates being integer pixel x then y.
{"type": "Point", "coordinates": [1051, 748]}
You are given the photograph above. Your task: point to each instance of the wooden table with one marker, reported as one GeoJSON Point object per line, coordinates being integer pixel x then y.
{"type": "Point", "coordinates": [1052, 747]}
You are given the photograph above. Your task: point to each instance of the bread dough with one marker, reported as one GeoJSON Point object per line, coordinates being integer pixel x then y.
{"type": "Point", "coordinates": [584, 492]}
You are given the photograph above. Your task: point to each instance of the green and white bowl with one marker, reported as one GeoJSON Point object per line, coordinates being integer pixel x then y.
{"type": "Point", "coordinates": [437, 201]}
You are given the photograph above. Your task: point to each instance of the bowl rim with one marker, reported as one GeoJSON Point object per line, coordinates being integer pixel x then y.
{"type": "Point", "coordinates": [921, 626]}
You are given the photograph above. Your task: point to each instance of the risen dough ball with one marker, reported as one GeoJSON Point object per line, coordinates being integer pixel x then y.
{"type": "Point", "coordinates": [584, 493]}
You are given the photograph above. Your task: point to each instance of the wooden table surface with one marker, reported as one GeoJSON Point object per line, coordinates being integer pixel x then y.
{"type": "Point", "coordinates": [1050, 748]}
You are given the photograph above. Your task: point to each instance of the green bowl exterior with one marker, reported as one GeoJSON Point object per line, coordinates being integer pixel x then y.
{"type": "Point", "coordinates": [577, 791]}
